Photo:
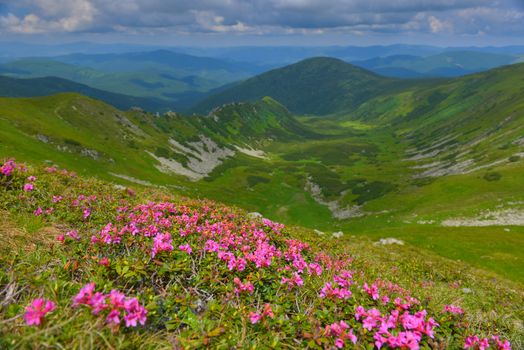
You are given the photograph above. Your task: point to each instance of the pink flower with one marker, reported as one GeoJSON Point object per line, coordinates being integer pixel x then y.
{"type": "Point", "coordinates": [73, 234]}
{"type": "Point", "coordinates": [38, 211]}
{"type": "Point", "coordinates": [98, 303]}
{"type": "Point", "coordinates": [104, 261]}
{"type": "Point", "coordinates": [254, 317]}
{"type": "Point", "coordinates": [135, 313]}
{"type": "Point", "coordinates": [453, 309]}
{"type": "Point", "coordinates": [352, 337]}
{"type": "Point", "coordinates": [484, 344]}
{"type": "Point", "coordinates": [471, 341]}
{"type": "Point", "coordinates": [31, 178]}
{"type": "Point", "coordinates": [57, 199]}
{"type": "Point", "coordinates": [339, 343]}
{"type": "Point", "coordinates": [185, 248]}
{"type": "Point", "coordinates": [161, 243]}
{"type": "Point", "coordinates": [117, 299]}
{"type": "Point", "coordinates": [360, 312]}
{"type": "Point", "coordinates": [86, 213]}
{"type": "Point", "coordinates": [29, 187]}
{"type": "Point", "coordinates": [84, 295]}
{"type": "Point", "coordinates": [243, 287]}
{"type": "Point", "coordinates": [60, 238]}
{"type": "Point", "coordinates": [8, 167]}
{"type": "Point", "coordinates": [35, 313]}
{"type": "Point", "coordinates": [113, 317]}
{"type": "Point", "coordinates": [268, 311]}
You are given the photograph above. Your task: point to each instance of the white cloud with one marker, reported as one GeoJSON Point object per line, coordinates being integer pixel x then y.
{"type": "Point", "coordinates": [437, 25]}
{"type": "Point", "coordinates": [52, 16]}
{"type": "Point", "coordinates": [264, 16]}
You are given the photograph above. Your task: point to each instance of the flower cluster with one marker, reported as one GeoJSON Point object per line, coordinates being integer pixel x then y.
{"type": "Point", "coordinates": [8, 167]}
{"type": "Point", "coordinates": [256, 317]}
{"type": "Point", "coordinates": [36, 311]}
{"type": "Point", "coordinates": [457, 310]}
{"type": "Point", "coordinates": [342, 332]}
{"type": "Point", "coordinates": [113, 304]}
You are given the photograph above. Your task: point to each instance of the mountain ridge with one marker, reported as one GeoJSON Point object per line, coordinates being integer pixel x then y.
{"type": "Point", "coordinates": [319, 85]}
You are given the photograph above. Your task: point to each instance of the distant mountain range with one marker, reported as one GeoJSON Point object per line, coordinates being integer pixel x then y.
{"type": "Point", "coordinates": [197, 79]}
{"type": "Point", "coordinates": [35, 87]}
{"type": "Point", "coordinates": [174, 77]}
{"type": "Point", "coordinates": [447, 64]}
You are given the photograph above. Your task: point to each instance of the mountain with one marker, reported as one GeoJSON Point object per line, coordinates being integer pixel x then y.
{"type": "Point", "coordinates": [130, 61]}
{"type": "Point", "coordinates": [447, 64]}
{"type": "Point", "coordinates": [13, 87]}
{"type": "Point", "coordinates": [319, 85]}
{"type": "Point", "coordinates": [159, 74]}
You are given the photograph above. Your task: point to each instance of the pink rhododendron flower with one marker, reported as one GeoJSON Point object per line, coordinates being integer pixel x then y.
{"type": "Point", "coordinates": [60, 237]}
{"type": "Point", "coordinates": [135, 313]}
{"type": "Point", "coordinates": [38, 211]}
{"type": "Point", "coordinates": [84, 295]}
{"type": "Point", "coordinates": [161, 243]}
{"type": "Point", "coordinates": [31, 178]}
{"type": "Point", "coordinates": [104, 261]}
{"type": "Point", "coordinates": [453, 309]}
{"type": "Point", "coordinates": [29, 187]}
{"type": "Point", "coordinates": [185, 248]}
{"type": "Point", "coordinates": [254, 317]}
{"type": "Point", "coordinates": [73, 234]}
{"type": "Point", "coordinates": [35, 313]}
{"type": "Point", "coordinates": [243, 287]}
{"type": "Point", "coordinates": [8, 167]}
{"type": "Point", "coordinates": [113, 317]}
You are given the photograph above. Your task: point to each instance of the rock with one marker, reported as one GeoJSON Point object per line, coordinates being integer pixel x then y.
{"type": "Point", "coordinates": [337, 234]}
{"type": "Point", "coordinates": [320, 233]}
{"type": "Point", "coordinates": [389, 241]}
{"type": "Point", "coordinates": [254, 215]}
{"type": "Point", "coordinates": [42, 138]}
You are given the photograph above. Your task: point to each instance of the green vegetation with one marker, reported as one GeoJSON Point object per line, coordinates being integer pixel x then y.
{"type": "Point", "coordinates": [409, 162]}
{"type": "Point", "coordinates": [67, 237]}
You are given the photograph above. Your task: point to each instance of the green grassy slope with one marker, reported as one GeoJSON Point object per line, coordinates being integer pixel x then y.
{"type": "Point", "coordinates": [197, 299]}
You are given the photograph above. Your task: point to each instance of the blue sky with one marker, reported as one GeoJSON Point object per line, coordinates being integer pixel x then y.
{"type": "Point", "coordinates": [265, 22]}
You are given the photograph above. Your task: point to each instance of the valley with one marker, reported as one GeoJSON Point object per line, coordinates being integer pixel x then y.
{"type": "Point", "coordinates": [429, 162]}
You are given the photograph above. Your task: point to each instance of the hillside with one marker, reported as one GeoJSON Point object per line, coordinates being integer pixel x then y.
{"type": "Point", "coordinates": [313, 86]}
{"type": "Point", "coordinates": [88, 263]}
{"type": "Point", "coordinates": [97, 137]}
{"type": "Point", "coordinates": [14, 87]}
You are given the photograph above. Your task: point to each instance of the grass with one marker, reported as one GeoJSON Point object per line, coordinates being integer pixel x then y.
{"type": "Point", "coordinates": [190, 298]}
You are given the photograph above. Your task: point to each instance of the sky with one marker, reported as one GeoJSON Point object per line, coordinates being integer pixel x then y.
{"type": "Point", "coordinates": [265, 22]}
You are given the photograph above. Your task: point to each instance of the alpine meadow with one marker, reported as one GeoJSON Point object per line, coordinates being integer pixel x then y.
{"type": "Point", "coordinates": [262, 174]}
